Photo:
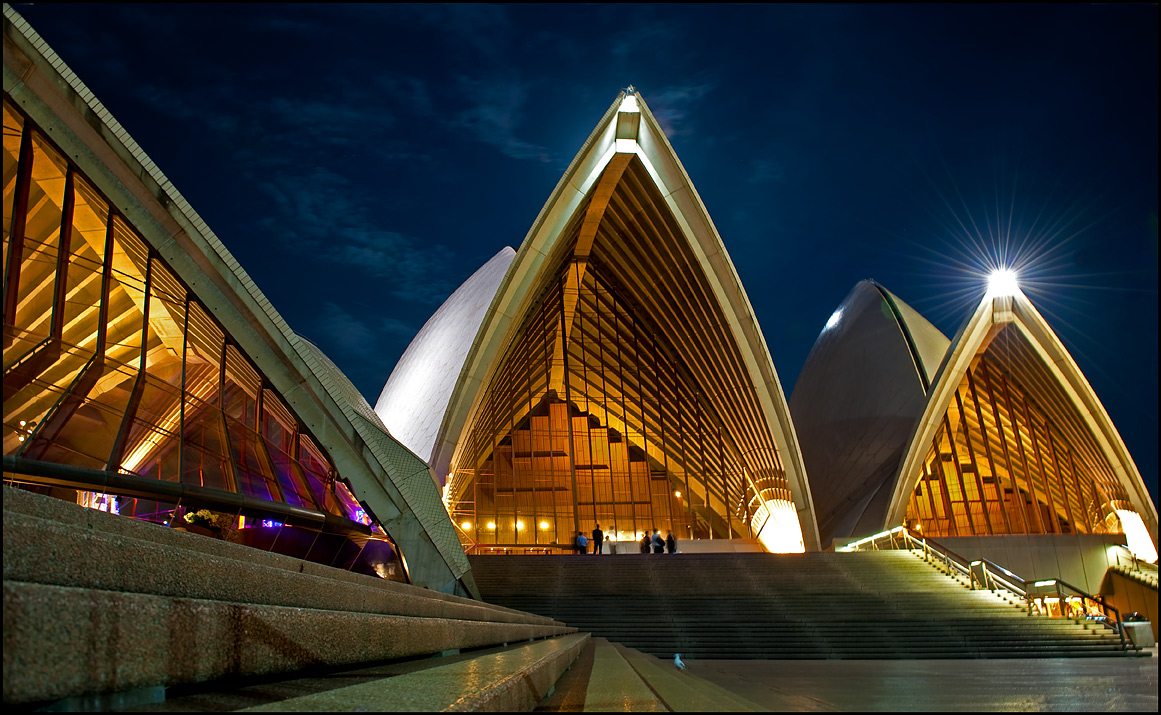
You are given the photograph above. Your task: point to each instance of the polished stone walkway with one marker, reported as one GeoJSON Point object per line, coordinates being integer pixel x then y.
{"type": "Point", "coordinates": [1060, 684]}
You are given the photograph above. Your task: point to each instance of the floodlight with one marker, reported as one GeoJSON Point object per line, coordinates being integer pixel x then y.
{"type": "Point", "coordinates": [1003, 283]}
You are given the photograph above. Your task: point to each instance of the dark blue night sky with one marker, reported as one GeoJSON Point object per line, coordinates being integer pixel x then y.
{"type": "Point", "coordinates": [361, 161]}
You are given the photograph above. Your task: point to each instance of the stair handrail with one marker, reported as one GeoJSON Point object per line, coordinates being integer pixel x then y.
{"type": "Point", "coordinates": [991, 575]}
{"type": "Point", "coordinates": [1134, 564]}
{"type": "Point", "coordinates": [1061, 586]}
{"type": "Point", "coordinates": [902, 537]}
{"type": "Point", "coordinates": [1137, 569]}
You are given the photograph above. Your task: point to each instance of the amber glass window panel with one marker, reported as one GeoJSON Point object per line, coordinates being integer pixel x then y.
{"type": "Point", "coordinates": [619, 436]}
{"type": "Point", "coordinates": [86, 258]}
{"type": "Point", "coordinates": [205, 452]}
{"type": "Point", "coordinates": [278, 430]}
{"type": "Point", "coordinates": [252, 466]}
{"type": "Point", "coordinates": [241, 387]}
{"type": "Point", "coordinates": [13, 128]}
{"type": "Point", "coordinates": [152, 445]}
{"type": "Point", "coordinates": [30, 402]}
{"type": "Point", "coordinates": [126, 402]}
{"type": "Point", "coordinates": [129, 261]}
{"type": "Point", "coordinates": [1029, 479]}
{"type": "Point", "coordinates": [320, 476]}
{"type": "Point", "coordinates": [84, 432]}
{"type": "Point", "coordinates": [36, 282]}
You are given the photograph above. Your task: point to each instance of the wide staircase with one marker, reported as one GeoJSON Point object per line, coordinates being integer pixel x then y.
{"type": "Point", "coordinates": [868, 605]}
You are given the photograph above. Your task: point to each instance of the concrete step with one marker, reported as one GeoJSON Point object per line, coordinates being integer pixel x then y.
{"type": "Point", "coordinates": [73, 521]}
{"type": "Point", "coordinates": [37, 550]}
{"type": "Point", "coordinates": [877, 604]}
{"type": "Point", "coordinates": [61, 641]}
{"type": "Point", "coordinates": [680, 691]}
{"type": "Point", "coordinates": [513, 680]}
{"type": "Point", "coordinates": [614, 686]}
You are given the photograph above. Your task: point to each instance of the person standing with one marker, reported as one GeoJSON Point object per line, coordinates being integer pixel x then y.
{"type": "Point", "coordinates": [645, 542]}
{"type": "Point", "coordinates": [582, 543]}
{"type": "Point", "coordinates": [670, 542]}
{"type": "Point", "coordinates": [598, 539]}
{"type": "Point", "coordinates": [658, 543]}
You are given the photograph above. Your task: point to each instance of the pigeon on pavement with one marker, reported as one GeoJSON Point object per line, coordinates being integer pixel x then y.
{"type": "Point", "coordinates": [677, 661]}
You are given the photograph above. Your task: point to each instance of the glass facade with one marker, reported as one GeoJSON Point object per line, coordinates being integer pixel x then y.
{"type": "Point", "coordinates": [1012, 456]}
{"type": "Point", "coordinates": [112, 366]}
{"type": "Point", "coordinates": [594, 418]}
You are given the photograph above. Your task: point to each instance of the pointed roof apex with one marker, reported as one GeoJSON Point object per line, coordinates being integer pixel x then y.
{"type": "Point", "coordinates": [1074, 403]}
{"type": "Point", "coordinates": [628, 143]}
{"type": "Point", "coordinates": [1003, 283]}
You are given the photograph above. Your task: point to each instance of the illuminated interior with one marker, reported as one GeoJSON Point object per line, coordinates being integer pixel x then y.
{"type": "Point", "coordinates": [622, 401]}
{"type": "Point", "coordinates": [112, 365]}
{"type": "Point", "coordinates": [1012, 456]}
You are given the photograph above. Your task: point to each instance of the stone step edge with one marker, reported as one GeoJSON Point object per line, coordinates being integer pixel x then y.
{"type": "Point", "coordinates": [614, 686]}
{"type": "Point", "coordinates": [62, 642]}
{"type": "Point", "coordinates": [70, 515]}
{"type": "Point", "coordinates": [491, 684]}
{"type": "Point", "coordinates": [683, 691]}
{"type": "Point", "coordinates": [51, 553]}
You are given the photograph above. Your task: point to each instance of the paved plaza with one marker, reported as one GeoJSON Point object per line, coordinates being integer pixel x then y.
{"type": "Point", "coordinates": [1059, 684]}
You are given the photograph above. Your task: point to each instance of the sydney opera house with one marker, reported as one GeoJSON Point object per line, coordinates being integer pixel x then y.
{"type": "Point", "coordinates": [612, 372]}
{"type": "Point", "coordinates": [608, 371]}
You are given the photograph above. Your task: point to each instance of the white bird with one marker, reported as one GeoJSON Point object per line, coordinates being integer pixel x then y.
{"type": "Point", "coordinates": [677, 661]}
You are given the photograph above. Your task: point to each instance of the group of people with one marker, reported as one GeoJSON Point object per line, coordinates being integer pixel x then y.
{"type": "Point", "coordinates": [658, 544]}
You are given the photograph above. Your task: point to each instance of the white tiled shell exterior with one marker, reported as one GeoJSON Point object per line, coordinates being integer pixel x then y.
{"type": "Point", "coordinates": [413, 402]}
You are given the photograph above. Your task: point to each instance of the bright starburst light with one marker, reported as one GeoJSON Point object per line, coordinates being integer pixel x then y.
{"type": "Point", "coordinates": [1041, 235]}
{"type": "Point", "coordinates": [1003, 283]}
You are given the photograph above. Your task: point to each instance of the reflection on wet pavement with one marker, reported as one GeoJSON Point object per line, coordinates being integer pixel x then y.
{"type": "Point", "coordinates": [1100, 684]}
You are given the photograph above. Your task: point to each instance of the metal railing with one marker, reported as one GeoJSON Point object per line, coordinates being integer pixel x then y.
{"type": "Point", "coordinates": [1052, 598]}
{"type": "Point", "coordinates": [1129, 565]}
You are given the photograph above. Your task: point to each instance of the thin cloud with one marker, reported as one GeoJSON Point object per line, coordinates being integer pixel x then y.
{"type": "Point", "coordinates": [650, 36]}
{"type": "Point", "coordinates": [671, 106]}
{"type": "Point", "coordinates": [495, 114]}
{"type": "Point", "coordinates": [325, 214]}
{"type": "Point", "coordinates": [766, 170]}
{"type": "Point", "coordinates": [345, 331]}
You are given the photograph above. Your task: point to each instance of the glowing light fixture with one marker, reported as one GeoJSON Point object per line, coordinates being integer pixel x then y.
{"type": "Point", "coordinates": [677, 494]}
{"type": "Point", "coordinates": [544, 525]}
{"type": "Point", "coordinates": [1003, 283]}
{"type": "Point", "coordinates": [1137, 537]}
{"type": "Point", "coordinates": [519, 524]}
{"type": "Point", "coordinates": [466, 525]}
{"type": "Point", "coordinates": [492, 525]}
{"type": "Point", "coordinates": [781, 533]}
{"type": "Point", "coordinates": [26, 429]}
